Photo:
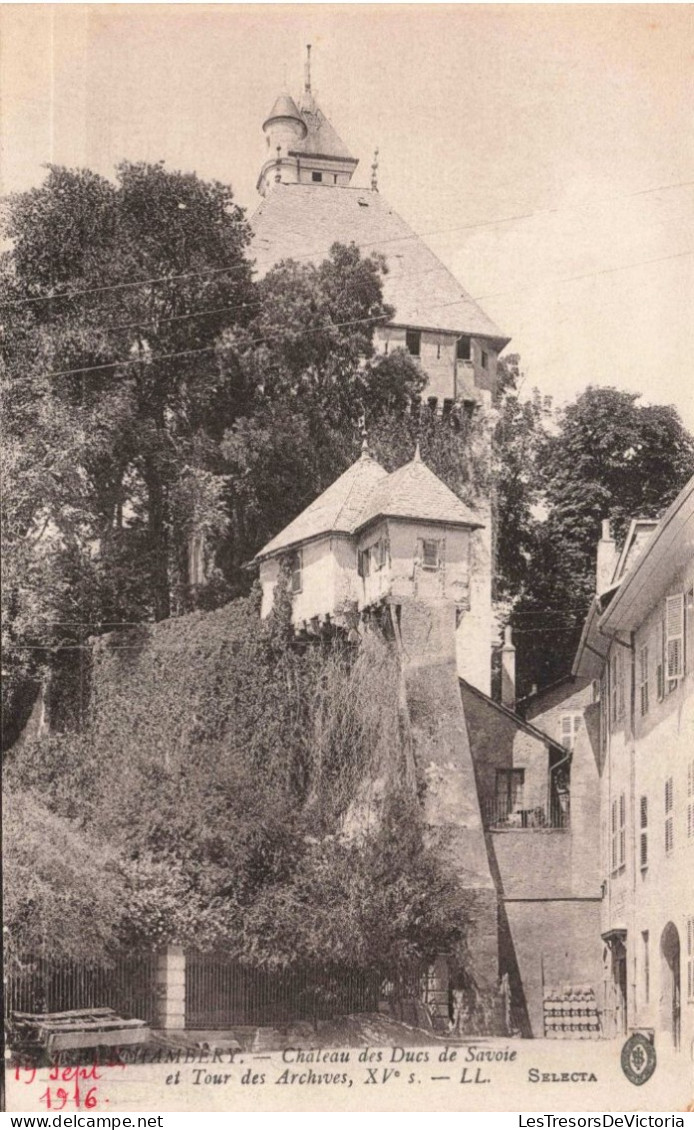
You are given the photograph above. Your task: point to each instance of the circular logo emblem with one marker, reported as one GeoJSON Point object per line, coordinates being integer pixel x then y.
{"type": "Point", "coordinates": [638, 1059]}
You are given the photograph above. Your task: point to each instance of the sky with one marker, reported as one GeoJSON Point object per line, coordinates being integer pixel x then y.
{"type": "Point", "coordinates": [545, 152]}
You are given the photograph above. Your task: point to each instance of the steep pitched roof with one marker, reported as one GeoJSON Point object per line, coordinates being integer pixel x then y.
{"type": "Point", "coordinates": [302, 221]}
{"type": "Point", "coordinates": [337, 510]}
{"type": "Point", "coordinates": [321, 139]}
{"type": "Point", "coordinates": [415, 492]}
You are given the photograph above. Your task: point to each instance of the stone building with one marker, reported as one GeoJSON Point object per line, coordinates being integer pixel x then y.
{"type": "Point", "coordinates": [517, 806]}
{"type": "Point", "coordinates": [372, 539]}
{"type": "Point", "coordinates": [638, 645]}
{"type": "Point", "coordinates": [310, 202]}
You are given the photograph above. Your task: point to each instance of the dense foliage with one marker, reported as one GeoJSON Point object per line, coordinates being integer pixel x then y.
{"type": "Point", "coordinates": [606, 455]}
{"type": "Point", "coordinates": [224, 769]}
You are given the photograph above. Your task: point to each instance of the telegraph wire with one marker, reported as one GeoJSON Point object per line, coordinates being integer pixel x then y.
{"type": "Point", "coordinates": [232, 268]}
{"type": "Point", "coordinates": [374, 319]}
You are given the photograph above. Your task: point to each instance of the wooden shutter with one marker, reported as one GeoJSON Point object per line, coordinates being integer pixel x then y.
{"type": "Point", "coordinates": [674, 628]}
{"type": "Point", "coordinates": [643, 678]}
{"type": "Point", "coordinates": [669, 816]}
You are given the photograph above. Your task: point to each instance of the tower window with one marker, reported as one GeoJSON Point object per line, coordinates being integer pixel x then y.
{"type": "Point", "coordinates": [430, 554]}
{"type": "Point", "coordinates": [463, 349]}
{"type": "Point", "coordinates": [318, 177]}
{"type": "Point", "coordinates": [413, 341]}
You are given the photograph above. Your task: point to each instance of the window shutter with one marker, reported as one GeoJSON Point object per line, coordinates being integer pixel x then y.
{"type": "Point", "coordinates": [669, 817]}
{"type": "Point", "coordinates": [674, 627]}
{"type": "Point", "coordinates": [659, 648]}
{"type": "Point", "coordinates": [643, 678]}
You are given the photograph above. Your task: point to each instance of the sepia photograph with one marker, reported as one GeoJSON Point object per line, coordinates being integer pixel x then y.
{"type": "Point", "coordinates": [347, 558]}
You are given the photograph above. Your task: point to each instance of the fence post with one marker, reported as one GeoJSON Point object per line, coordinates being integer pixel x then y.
{"type": "Point", "coordinates": [171, 988]}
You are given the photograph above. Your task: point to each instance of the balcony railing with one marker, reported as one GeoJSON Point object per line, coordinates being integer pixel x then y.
{"type": "Point", "coordinates": [501, 815]}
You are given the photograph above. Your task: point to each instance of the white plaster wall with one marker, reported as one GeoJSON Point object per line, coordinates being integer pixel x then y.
{"type": "Point", "coordinates": [328, 578]}
{"type": "Point", "coordinates": [450, 582]}
{"type": "Point", "coordinates": [474, 634]}
{"type": "Point", "coordinates": [377, 584]}
{"type": "Point", "coordinates": [448, 378]}
{"type": "Point", "coordinates": [642, 754]}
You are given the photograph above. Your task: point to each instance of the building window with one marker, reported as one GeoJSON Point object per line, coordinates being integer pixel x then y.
{"type": "Point", "coordinates": [646, 967]}
{"type": "Point", "coordinates": [690, 800]}
{"type": "Point", "coordinates": [674, 628]}
{"type": "Point", "coordinates": [596, 689]}
{"type": "Point", "coordinates": [317, 177]}
{"type": "Point", "coordinates": [618, 833]}
{"type": "Point", "coordinates": [484, 359]}
{"type": "Point", "coordinates": [570, 725]}
{"type": "Point", "coordinates": [463, 349]}
{"type": "Point", "coordinates": [377, 553]}
{"type": "Point", "coordinates": [364, 563]}
{"type": "Point", "coordinates": [643, 679]}
{"type": "Point", "coordinates": [295, 573]}
{"type": "Point", "coordinates": [430, 554]}
{"type": "Point", "coordinates": [690, 959]}
{"type": "Point", "coordinates": [669, 816]}
{"type": "Point", "coordinates": [509, 791]}
{"type": "Point", "coordinates": [413, 341]}
{"type": "Point", "coordinates": [643, 839]}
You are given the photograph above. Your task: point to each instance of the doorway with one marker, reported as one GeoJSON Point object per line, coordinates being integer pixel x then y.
{"type": "Point", "coordinates": [670, 989]}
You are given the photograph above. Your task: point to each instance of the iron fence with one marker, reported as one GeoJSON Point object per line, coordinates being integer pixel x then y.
{"type": "Point", "coordinates": [127, 984]}
{"type": "Point", "coordinates": [221, 992]}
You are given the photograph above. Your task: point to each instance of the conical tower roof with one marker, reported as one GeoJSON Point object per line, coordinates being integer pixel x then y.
{"type": "Point", "coordinates": [284, 107]}
{"type": "Point", "coordinates": [337, 510]}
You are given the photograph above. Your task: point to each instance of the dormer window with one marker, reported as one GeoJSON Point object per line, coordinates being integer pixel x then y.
{"type": "Point", "coordinates": [295, 582]}
{"type": "Point", "coordinates": [317, 177]}
{"type": "Point", "coordinates": [413, 341]}
{"type": "Point", "coordinates": [430, 554]}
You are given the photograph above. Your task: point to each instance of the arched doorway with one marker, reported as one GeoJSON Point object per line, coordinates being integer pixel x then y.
{"type": "Point", "coordinates": [670, 982]}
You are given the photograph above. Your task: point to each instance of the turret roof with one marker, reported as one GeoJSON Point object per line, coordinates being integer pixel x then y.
{"type": "Point", "coordinates": [416, 493]}
{"type": "Point", "coordinates": [321, 138]}
{"type": "Point", "coordinates": [366, 492]}
{"type": "Point", "coordinates": [337, 510]}
{"type": "Point", "coordinates": [284, 107]}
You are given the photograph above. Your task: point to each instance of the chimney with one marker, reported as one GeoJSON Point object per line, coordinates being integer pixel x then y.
{"type": "Point", "coordinates": [508, 670]}
{"type": "Point", "coordinates": [606, 560]}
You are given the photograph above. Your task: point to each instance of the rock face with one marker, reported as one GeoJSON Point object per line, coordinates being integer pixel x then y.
{"type": "Point", "coordinates": [444, 763]}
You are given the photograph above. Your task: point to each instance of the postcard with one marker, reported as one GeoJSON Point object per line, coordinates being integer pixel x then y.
{"type": "Point", "coordinates": [348, 559]}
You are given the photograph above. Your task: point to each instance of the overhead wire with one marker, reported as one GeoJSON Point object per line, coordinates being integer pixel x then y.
{"type": "Point", "coordinates": [308, 255]}
{"type": "Point", "coordinates": [374, 319]}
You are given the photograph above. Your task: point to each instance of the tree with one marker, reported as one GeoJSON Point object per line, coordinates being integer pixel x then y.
{"type": "Point", "coordinates": [312, 380]}
{"type": "Point", "coordinates": [113, 298]}
{"type": "Point", "coordinates": [62, 889]}
{"type": "Point", "coordinates": [608, 457]}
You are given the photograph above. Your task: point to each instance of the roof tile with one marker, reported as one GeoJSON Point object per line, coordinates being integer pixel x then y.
{"type": "Point", "coordinates": [302, 221]}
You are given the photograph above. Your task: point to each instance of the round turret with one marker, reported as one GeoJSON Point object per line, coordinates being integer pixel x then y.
{"type": "Point", "coordinates": [284, 124]}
